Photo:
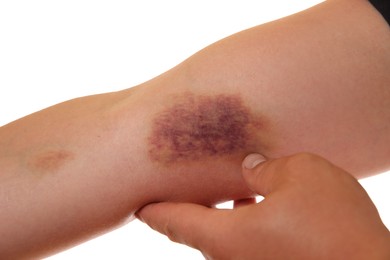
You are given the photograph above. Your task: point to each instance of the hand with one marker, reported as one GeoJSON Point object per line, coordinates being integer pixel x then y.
{"type": "Point", "coordinates": [311, 210]}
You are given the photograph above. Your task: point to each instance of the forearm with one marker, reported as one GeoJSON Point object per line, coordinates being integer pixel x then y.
{"type": "Point", "coordinates": [85, 166]}
{"type": "Point", "coordinates": [63, 177]}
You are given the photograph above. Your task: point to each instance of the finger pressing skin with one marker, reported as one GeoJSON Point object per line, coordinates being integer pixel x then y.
{"type": "Point", "coordinates": [265, 177]}
{"type": "Point", "coordinates": [194, 225]}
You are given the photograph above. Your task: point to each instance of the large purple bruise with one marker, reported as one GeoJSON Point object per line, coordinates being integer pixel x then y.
{"type": "Point", "coordinates": [195, 127]}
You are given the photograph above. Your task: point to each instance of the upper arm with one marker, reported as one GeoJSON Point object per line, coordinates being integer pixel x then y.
{"type": "Point", "coordinates": [316, 81]}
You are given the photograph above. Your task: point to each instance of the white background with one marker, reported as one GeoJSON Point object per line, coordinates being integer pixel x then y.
{"type": "Point", "coordinates": [51, 51]}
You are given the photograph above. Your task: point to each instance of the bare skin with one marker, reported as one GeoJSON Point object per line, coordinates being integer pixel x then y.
{"type": "Point", "coordinates": [311, 210]}
{"type": "Point", "coordinates": [316, 81]}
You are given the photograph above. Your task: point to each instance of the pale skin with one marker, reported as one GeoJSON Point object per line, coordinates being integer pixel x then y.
{"type": "Point", "coordinates": [316, 81]}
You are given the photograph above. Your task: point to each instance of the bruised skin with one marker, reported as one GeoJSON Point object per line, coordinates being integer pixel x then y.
{"type": "Point", "coordinates": [49, 161]}
{"type": "Point", "coordinates": [195, 142]}
{"type": "Point", "coordinates": [196, 127]}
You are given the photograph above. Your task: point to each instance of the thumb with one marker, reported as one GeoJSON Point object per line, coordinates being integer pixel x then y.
{"type": "Point", "coordinates": [252, 171]}
{"type": "Point", "coordinates": [190, 224]}
{"type": "Point", "coordinates": [264, 177]}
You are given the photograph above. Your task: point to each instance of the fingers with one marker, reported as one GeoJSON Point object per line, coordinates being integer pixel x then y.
{"type": "Point", "coordinates": [265, 177]}
{"type": "Point", "coordinates": [207, 229]}
{"type": "Point", "coordinates": [194, 225]}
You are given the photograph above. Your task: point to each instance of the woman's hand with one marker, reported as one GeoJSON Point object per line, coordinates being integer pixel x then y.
{"type": "Point", "coordinates": [311, 210]}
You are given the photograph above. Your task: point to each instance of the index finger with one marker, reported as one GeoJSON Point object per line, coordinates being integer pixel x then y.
{"type": "Point", "coordinates": [190, 224]}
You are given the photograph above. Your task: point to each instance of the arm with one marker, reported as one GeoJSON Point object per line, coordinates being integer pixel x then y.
{"type": "Point", "coordinates": [92, 162]}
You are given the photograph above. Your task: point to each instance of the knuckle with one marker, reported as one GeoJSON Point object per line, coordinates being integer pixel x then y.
{"type": "Point", "coordinates": [169, 232]}
{"type": "Point", "coordinates": [304, 163]}
{"type": "Point", "coordinates": [307, 158]}
{"type": "Point", "coordinates": [304, 159]}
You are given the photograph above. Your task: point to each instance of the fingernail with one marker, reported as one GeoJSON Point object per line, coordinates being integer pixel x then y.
{"type": "Point", "coordinates": [252, 160]}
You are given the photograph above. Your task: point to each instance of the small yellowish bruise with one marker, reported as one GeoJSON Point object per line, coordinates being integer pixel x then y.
{"type": "Point", "coordinates": [49, 161]}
